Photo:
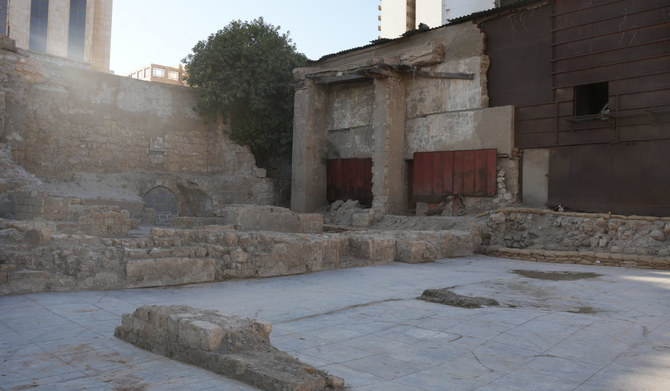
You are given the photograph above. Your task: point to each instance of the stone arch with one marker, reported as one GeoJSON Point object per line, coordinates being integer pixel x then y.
{"type": "Point", "coordinates": [164, 202]}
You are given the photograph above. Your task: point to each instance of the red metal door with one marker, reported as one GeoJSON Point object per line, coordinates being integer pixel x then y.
{"type": "Point", "coordinates": [437, 175]}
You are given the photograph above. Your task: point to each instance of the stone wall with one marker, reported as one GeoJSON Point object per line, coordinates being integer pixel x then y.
{"type": "Point", "coordinates": [64, 123]}
{"type": "Point", "coordinates": [605, 239]}
{"type": "Point", "coordinates": [74, 120]}
{"type": "Point", "coordinates": [42, 256]}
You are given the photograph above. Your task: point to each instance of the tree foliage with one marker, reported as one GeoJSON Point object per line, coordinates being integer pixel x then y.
{"type": "Point", "coordinates": [245, 72]}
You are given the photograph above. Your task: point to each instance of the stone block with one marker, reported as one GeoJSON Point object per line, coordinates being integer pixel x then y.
{"type": "Point", "coordinates": [376, 249]}
{"type": "Point", "coordinates": [37, 237]}
{"type": "Point", "coordinates": [415, 251]}
{"type": "Point", "coordinates": [363, 219]}
{"type": "Point", "coordinates": [260, 218]}
{"type": "Point", "coordinates": [310, 223]}
{"type": "Point", "coordinates": [26, 281]}
{"type": "Point", "coordinates": [168, 271]}
{"type": "Point", "coordinates": [225, 344]}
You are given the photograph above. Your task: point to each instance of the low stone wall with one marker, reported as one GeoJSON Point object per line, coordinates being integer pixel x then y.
{"type": "Point", "coordinates": [225, 344]}
{"type": "Point", "coordinates": [605, 239]}
{"type": "Point", "coordinates": [37, 257]}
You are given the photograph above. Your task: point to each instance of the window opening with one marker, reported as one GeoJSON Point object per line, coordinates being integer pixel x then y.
{"type": "Point", "coordinates": [591, 99]}
{"type": "Point", "coordinates": [77, 30]}
{"type": "Point", "coordinates": [3, 17]}
{"type": "Point", "coordinates": [39, 12]}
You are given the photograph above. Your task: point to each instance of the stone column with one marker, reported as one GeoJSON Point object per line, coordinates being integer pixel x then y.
{"type": "Point", "coordinates": [389, 189]}
{"type": "Point", "coordinates": [309, 174]}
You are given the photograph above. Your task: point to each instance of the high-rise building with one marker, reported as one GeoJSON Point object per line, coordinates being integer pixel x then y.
{"type": "Point", "coordinates": [77, 29]}
{"type": "Point", "coordinates": [399, 16]}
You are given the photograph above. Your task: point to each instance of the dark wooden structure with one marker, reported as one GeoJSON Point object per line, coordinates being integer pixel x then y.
{"type": "Point", "coordinates": [350, 179]}
{"type": "Point", "coordinates": [437, 175]}
{"type": "Point", "coordinates": [590, 80]}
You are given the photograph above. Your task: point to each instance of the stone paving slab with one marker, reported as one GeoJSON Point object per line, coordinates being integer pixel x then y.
{"type": "Point", "coordinates": [365, 325]}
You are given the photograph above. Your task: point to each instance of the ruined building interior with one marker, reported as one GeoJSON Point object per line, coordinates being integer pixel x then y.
{"type": "Point", "coordinates": [408, 150]}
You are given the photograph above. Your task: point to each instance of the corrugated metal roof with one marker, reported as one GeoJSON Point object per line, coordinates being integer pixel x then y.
{"type": "Point", "coordinates": [462, 19]}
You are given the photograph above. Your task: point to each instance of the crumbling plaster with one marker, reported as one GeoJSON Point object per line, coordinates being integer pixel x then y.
{"type": "Point", "coordinates": [366, 118]}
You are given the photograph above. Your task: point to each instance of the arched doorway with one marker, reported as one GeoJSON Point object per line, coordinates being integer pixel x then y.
{"type": "Point", "coordinates": [164, 202]}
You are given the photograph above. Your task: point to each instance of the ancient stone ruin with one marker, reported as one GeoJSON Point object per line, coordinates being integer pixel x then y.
{"type": "Point", "coordinates": [225, 344]}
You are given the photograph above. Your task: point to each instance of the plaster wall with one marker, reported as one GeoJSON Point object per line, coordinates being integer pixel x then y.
{"type": "Point", "coordinates": [350, 120]}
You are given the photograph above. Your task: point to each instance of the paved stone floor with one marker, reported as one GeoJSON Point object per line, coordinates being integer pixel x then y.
{"type": "Point", "coordinates": [611, 332]}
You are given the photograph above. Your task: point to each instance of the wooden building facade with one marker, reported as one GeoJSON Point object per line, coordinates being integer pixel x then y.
{"type": "Point", "coordinates": [590, 82]}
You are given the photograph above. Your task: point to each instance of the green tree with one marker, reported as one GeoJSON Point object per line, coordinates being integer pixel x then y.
{"type": "Point", "coordinates": [245, 72]}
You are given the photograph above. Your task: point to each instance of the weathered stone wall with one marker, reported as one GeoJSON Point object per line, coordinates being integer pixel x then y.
{"type": "Point", "coordinates": [38, 256]}
{"type": "Point", "coordinates": [368, 108]}
{"type": "Point", "coordinates": [74, 120]}
{"type": "Point", "coordinates": [118, 136]}
{"type": "Point", "coordinates": [578, 237]}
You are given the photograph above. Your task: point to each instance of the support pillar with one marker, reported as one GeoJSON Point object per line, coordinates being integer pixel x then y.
{"type": "Point", "coordinates": [309, 171]}
{"type": "Point", "coordinates": [389, 189]}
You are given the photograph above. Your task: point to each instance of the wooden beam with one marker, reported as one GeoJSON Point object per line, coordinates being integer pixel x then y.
{"type": "Point", "coordinates": [443, 75]}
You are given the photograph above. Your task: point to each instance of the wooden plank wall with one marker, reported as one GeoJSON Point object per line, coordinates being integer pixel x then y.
{"type": "Point", "coordinates": [539, 55]}
{"type": "Point", "coordinates": [350, 179]}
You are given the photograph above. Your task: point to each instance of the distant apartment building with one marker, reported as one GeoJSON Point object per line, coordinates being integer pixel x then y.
{"type": "Point", "coordinates": [399, 16]}
{"type": "Point", "coordinates": [77, 29]}
{"type": "Point", "coordinates": [160, 74]}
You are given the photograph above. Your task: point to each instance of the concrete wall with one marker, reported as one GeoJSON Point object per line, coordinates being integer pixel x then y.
{"type": "Point", "coordinates": [361, 104]}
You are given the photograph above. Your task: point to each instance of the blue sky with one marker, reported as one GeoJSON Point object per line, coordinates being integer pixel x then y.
{"type": "Point", "coordinates": [165, 31]}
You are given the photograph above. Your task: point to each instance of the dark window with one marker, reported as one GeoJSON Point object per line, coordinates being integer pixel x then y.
{"type": "Point", "coordinates": [591, 99]}
{"type": "Point", "coordinates": [75, 47]}
{"type": "Point", "coordinates": [3, 17]}
{"type": "Point", "coordinates": [39, 12]}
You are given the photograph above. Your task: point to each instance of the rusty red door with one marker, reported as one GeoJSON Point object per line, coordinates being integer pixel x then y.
{"type": "Point", "coordinates": [437, 175]}
{"type": "Point", "coordinates": [350, 179]}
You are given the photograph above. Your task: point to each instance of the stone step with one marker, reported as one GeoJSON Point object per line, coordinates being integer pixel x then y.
{"type": "Point", "coordinates": [155, 272]}
{"type": "Point", "coordinates": [165, 252]}
{"type": "Point", "coordinates": [427, 246]}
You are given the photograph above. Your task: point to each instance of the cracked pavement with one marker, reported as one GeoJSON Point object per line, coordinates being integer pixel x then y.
{"type": "Point", "coordinates": [609, 332]}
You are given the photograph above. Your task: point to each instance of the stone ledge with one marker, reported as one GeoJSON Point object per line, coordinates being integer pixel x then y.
{"type": "Point", "coordinates": [542, 212]}
{"type": "Point", "coordinates": [581, 257]}
{"type": "Point", "coordinates": [142, 273]}
{"type": "Point", "coordinates": [225, 344]}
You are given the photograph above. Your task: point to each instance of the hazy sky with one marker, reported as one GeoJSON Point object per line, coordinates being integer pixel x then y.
{"type": "Point", "coordinates": [165, 31]}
